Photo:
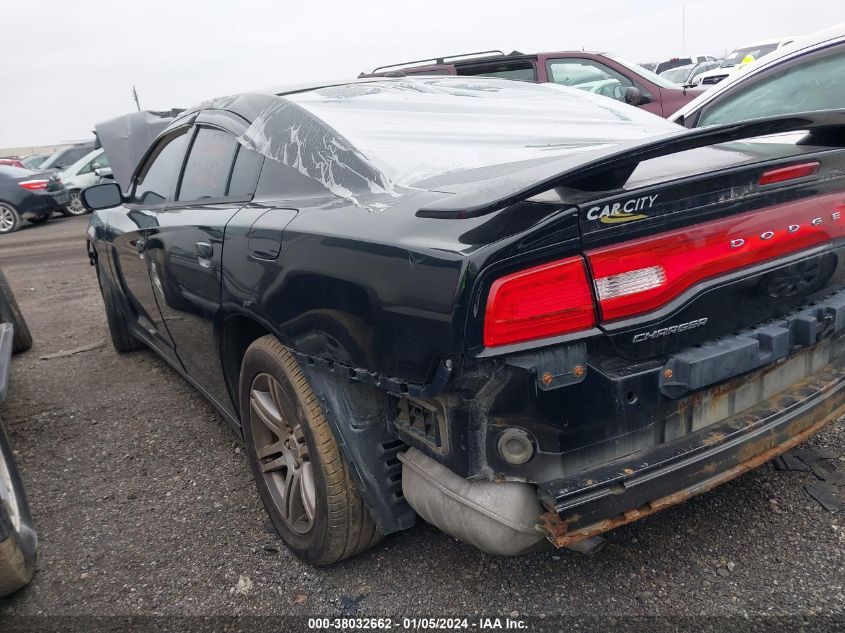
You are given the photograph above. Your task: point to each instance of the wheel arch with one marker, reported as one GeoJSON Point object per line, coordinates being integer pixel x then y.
{"type": "Point", "coordinates": [356, 412]}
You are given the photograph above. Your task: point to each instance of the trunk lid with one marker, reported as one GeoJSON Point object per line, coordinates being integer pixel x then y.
{"type": "Point", "coordinates": [706, 243]}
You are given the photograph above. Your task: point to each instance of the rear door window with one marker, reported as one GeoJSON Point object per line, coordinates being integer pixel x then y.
{"type": "Point", "coordinates": [589, 75]}
{"type": "Point", "coordinates": [209, 165]}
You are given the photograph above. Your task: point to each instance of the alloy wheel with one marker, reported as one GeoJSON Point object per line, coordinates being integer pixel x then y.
{"type": "Point", "coordinates": [7, 219]}
{"type": "Point", "coordinates": [282, 453]}
{"type": "Point", "coordinates": [75, 206]}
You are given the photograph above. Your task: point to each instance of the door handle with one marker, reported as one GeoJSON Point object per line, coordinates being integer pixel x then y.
{"type": "Point", "coordinates": [204, 253]}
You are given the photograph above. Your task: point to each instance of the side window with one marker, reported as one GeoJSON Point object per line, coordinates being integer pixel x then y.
{"type": "Point", "coordinates": [100, 161]}
{"type": "Point", "coordinates": [157, 179]}
{"type": "Point", "coordinates": [245, 173]}
{"type": "Point", "coordinates": [522, 70]}
{"type": "Point", "coordinates": [589, 75]}
{"type": "Point", "coordinates": [817, 84]}
{"type": "Point", "coordinates": [209, 165]}
{"type": "Point", "coordinates": [86, 168]}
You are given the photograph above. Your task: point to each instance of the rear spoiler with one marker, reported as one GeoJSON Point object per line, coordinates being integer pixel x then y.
{"type": "Point", "coordinates": [609, 168]}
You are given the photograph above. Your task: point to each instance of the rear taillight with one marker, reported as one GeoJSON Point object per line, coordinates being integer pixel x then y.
{"type": "Point", "coordinates": [792, 172]}
{"type": "Point", "coordinates": [547, 300]}
{"type": "Point", "coordinates": [34, 185]}
{"type": "Point", "coordinates": [644, 274]}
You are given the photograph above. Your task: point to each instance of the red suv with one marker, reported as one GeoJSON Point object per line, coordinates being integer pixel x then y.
{"type": "Point", "coordinates": [600, 73]}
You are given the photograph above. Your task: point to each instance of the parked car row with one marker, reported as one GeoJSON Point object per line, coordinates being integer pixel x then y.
{"type": "Point", "coordinates": [739, 58]}
{"type": "Point", "coordinates": [599, 73]}
{"type": "Point", "coordinates": [687, 75]}
{"type": "Point", "coordinates": [34, 188]}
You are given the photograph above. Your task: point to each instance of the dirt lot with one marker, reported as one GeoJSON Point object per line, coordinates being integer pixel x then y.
{"type": "Point", "coordinates": [144, 504]}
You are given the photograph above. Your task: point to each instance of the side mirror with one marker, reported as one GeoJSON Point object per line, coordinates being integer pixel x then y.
{"type": "Point", "coordinates": [104, 196]}
{"type": "Point", "coordinates": [634, 97]}
{"type": "Point", "coordinates": [104, 172]}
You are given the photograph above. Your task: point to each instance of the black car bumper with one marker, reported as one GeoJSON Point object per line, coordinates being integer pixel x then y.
{"type": "Point", "coordinates": [43, 204]}
{"type": "Point", "coordinates": [630, 488]}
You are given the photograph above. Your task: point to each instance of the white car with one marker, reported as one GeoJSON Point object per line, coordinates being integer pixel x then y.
{"type": "Point", "coordinates": [806, 76]}
{"type": "Point", "coordinates": [733, 62]}
{"type": "Point", "coordinates": [82, 174]}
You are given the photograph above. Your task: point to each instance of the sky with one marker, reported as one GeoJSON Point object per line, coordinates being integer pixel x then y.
{"type": "Point", "coordinates": [67, 65]}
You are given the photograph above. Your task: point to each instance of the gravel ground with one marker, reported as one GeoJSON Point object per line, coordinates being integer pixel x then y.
{"type": "Point", "coordinates": [144, 504]}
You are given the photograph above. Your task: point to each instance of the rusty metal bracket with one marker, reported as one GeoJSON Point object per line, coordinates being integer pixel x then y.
{"type": "Point", "coordinates": [393, 385]}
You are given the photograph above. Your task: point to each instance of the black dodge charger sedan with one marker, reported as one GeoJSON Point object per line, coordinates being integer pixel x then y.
{"type": "Point", "coordinates": [524, 313]}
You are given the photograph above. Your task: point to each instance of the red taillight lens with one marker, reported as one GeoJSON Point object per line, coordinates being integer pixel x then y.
{"type": "Point", "coordinates": [644, 274]}
{"type": "Point", "coordinates": [788, 173]}
{"type": "Point", "coordinates": [32, 185]}
{"type": "Point", "coordinates": [547, 300]}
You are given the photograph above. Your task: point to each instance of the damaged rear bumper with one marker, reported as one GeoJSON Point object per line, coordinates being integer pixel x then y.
{"type": "Point", "coordinates": [628, 489]}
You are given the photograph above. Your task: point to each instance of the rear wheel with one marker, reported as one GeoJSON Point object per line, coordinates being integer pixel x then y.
{"type": "Point", "coordinates": [9, 219]}
{"type": "Point", "coordinates": [122, 339]}
{"type": "Point", "coordinates": [75, 206]}
{"type": "Point", "coordinates": [11, 313]}
{"type": "Point", "coordinates": [18, 541]}
{"type": "Point", "coordinates": [302, 478]}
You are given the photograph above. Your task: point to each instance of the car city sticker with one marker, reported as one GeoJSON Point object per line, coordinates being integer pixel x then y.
{"type": "Point", "coordinates": [622, 211]}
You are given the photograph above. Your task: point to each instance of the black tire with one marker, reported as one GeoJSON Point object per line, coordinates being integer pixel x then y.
{"type": "Point", "coordinates": [18, 540]}
{"type": "Point", "coordinates": [122, 339]}
{"type": "Point", "coordinates": [10, 219]}
{"type": "Point", "coordinates": [341, 526]}
{"type": "Point", "coordinates": [11, 313]}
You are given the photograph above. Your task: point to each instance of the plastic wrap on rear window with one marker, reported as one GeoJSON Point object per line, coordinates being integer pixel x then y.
{"type": "Point", "coordinates": [366, 141]}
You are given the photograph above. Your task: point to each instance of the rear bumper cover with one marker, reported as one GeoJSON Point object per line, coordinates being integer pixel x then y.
{"type": "Point", "coordinates": [604, 498]}
{"type": "Point", "coordinates": [42, 203]}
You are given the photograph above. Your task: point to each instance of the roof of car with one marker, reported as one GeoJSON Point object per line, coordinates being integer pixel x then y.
{"type": "Point", "coordinates": [769, 42]}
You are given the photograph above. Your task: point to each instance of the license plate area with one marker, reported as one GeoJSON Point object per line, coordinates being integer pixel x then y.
{"type": "Point", "coordinates": [717, 361]}
{"type": "Point", "coordinates": [709, 407]}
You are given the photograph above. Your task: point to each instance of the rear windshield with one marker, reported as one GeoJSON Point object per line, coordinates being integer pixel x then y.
{"type": "Point", "coordinates": [735, 58]}
{"type": "Point", "coordinates": [66, 157]}
{"type": "Point", "coordinates": [409, 129]}
{"type": "Point", "coordinates": [366, 139]}
{"type": "Point", "coordinates": [647, 74]}
{"type": "Point", "coordinates": [677, 75]}
{"type": "Point", "coordinates": [8, 171]}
